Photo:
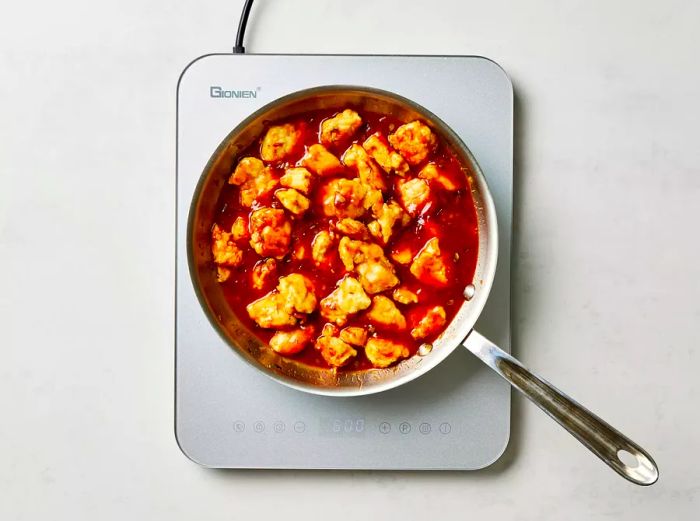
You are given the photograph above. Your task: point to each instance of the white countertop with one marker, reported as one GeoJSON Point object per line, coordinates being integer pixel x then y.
{"type": "Point", "coordinates": [606, 285]}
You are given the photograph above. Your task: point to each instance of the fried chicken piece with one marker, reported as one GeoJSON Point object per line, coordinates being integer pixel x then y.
{"type": "Point", "coordinates": [280, 142]}
{"type": "Point", "coordinates": [414, 141]}
{"type": "Point", "coordinates": [222, 273]}
{"type": "Point", "coordinates": [335, 351]}
{"type": "Point", "coordinates": [329, 329]}
{"type": "Point", "coordinates": [344, 198]}
{"type": "Point", "coordinates": [403, 295]}
{"type": "Point", "coordinates": [429, 266]}
{"type": "Point", "coordinates": [298, 178]}
{"type": "Point", "coordinates": [352, 228]}
{"type": "Point", "coordinates": [321, 248]}
{"type": "Point", "coordinates": [414, 193]}
{"type": "Point", "coordinates": [291, 342]}
{"type": "Point", "coordinates": [298, 292]}
{"type": "Point", "coordinates": [384, 313]}
{"type": "Point", "coordinates": [319, 160]}
{"type": "Point", "coordinates": [367, 170]}
{"type": "Point", "coordinates": [431, 322]}
{"type": "Point", "coordinates": [373, 199]}
{"type": "Point", "coordinates": [347, 298]}
{"type": "Point", "coordinates": [388, 214]}
{"type": "Point", "coordinates": [356, 336]}
{"type": "Point", "coordinates": [374, 270]}
{"type": "Point", "coordinates": [224, 250]}
{"type": "Point", "coordinates": [340, 127]}
{"type": "Point", "coordinates": [254, 178]}
{"type": "Point", "coordinates": [382, 352]}
{"type": "Point", "coordinates": [271, 232]}
{"type": "Point", "coordinates": [389, 159]}
{"type": "Point", "coordinates": [245, 169]}
{"type": "Point", "coordinates": [263, 272]}
{"type": "Point", "coordinates": [433, 173]}
{"type": "Point", "coordinates": [299, 251]}
{"type": "Point", "coordinates": [239, 229]}
{"type": "Point", "coordinates": [294, 294]}
{"type": "Point", "coordinates": [402, 254]}
{"type": "Point", "coordinates": [270, 311]}
{"type": "Point", "coordinates": [376, 274]}
{"type": "Point", "coordinates": [293, 200]}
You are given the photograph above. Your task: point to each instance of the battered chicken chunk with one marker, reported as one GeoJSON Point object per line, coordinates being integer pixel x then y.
{"type": "Point", "coordinates": [340, 127]}
{"type": "Point", "coordinates": [291, 342]}
{"type": "Point", "coordinates": [321, 248]}
{"type": "Point", "coordinates": [433, 173]}
{"type": "Point", "coordinates": [402, 254]}
{"type": "Point", "coordinates": [414, 193]}
{"type": "Point", "coordinates": [222, 273]}
{"type": "Point", "coordinates": [298, 292]}
{"type": "Point", "coordinates": [254, 178]}
{"type": "Point", "coordinates": [224, 250]}
{"type": "Point", "coordinates": [403, 295]}
{"type": "Point", "coordinates": [414, 141]}
{"type": "Point", "coordinates": [352, 228]}
{"type": "Point", "coordinates": [356, 336]}
{"type": "Point", "coordinates": [344, 198]}
{"type": "Point", "coordinates": [280, 142]}
{"type": "Point", "coordinates": [270, 232]}
{"type": "Point", "coordinates": [347, 298]}
{"type": "Point", "coordinates": [384, 313]}
{"type": "Point", "coordinates": [387, 216]}
{"type": "Point", "coordinates": [321, 161]}
{"type": "Point", "coordinates": [294, 294]}
{"type": "Point", "coordinates": [429, 266]}
{"type": "Point", "coordinates": [239, 230]}
{"type": "Point", "coordinates": [271, 311]}
{"type": "Point", "coordinates": [389, 159]}
{"type": "Point", "coordinates": [367, 170]}
{"type": "Point", "coordinates": [373, 199]}
{"type": "Point", "coordinates": [299, 250]}
{"type": "Point", "coordinates": [329, 329]}
{"type": "Point", "coordinates": [293, 200]}
{"type": "Point", "coordinates": [245, 169]}
{"type": "Point", "coordinates": [375, 272]}
{"type": "Point", "coordinates": [263, 272]}
{"type": "Point", "coordinates": [383, 353]}
{"type": "Point", "coordinates": [431, 322]}
{"type": "Point", "coordinates": [335, 351]}
{"type": "Point", "coordinates": [298, 178]}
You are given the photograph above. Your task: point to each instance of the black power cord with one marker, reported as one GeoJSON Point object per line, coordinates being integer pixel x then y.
{"type": "Point", "coordinates": [239, 48]}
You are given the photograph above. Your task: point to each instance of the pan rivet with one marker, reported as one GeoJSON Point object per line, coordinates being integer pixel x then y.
{"type": "Point", "coordinates": [469, 292]}
{"type": "Point", "coordinates": [425, 349]}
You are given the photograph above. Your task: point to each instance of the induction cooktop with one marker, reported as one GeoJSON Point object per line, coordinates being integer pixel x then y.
{"type": "Point", "coordinates": [227, 414]}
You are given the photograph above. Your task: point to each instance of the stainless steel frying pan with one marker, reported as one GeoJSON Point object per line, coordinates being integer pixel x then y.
{"type": "Point", "coordinates": [604, 441]}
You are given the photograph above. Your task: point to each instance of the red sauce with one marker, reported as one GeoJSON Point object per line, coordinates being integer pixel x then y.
{"type": "Point", "coordinates": [451, 217]}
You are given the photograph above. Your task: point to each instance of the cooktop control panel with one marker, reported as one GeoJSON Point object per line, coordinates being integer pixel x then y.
{"type": "Point", "coordinates": [227, 414]}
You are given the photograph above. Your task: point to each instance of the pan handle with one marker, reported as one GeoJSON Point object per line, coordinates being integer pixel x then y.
{"type": "Point", "coordinates": [619, 452]}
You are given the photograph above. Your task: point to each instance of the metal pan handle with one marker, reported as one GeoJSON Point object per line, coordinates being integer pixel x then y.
{"type": "Point", "coordinates": [603, 440]}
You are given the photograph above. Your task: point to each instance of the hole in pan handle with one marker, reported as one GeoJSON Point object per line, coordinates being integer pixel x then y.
{"type": "Point", "coordinates": [619, 452]}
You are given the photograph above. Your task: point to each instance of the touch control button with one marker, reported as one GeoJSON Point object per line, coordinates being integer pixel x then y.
{"type": "Point", "coordinates": [278, 426]}
{"type": "Point", "coordinates": [385, 428]}
{"type": "Point", "coordinates": [445, 428]}
{"type": "Point", "coordinates": [299, 427]}
{"type": "Point", "coordinates": [238, 426]}
{"type": "Point", "coordinates": [405, 428]}
{"type": "Point", "coordinates": [424, 428]}
{"type": "Point", "coordinates": [259, 426]}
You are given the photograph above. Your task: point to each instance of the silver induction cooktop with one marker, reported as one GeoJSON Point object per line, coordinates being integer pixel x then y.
{"type": "Point", "coordinates": [227, 415]}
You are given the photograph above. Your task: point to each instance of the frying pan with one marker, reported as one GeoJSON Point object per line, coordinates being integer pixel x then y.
{"type": "Point", "coordinates": [623, 455]}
